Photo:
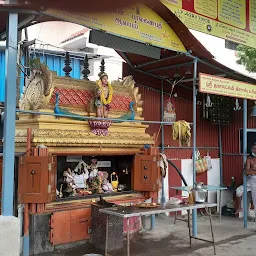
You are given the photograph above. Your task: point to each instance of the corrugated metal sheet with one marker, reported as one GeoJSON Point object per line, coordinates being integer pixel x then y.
{"type": "Point", "coordinates": [55, 63]}
{"type": "Point", "coordinates": [233, 164]}
{"type": "Point", "coordinates": [151, 109]}
{"type": "Point", "coordinates": [207, 134]}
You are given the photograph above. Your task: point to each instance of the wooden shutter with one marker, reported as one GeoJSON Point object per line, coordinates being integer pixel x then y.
{"type": "Point", "coordinates": [33, 179]}
{"type": "Point", "coordinates": [146, 173]}
{"type": "Point", "coordinates": [70, 226]}
{"type": "Point", "coordinates": [52, 167]}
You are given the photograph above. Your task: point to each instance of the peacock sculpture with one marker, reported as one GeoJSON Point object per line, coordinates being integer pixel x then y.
{"type": "Point", "coordinates": [62, 111]}
{"type": "Point", "coordinates": [127, 116]}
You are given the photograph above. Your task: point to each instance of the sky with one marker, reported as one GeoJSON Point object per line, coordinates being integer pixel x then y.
{"type": "Point", "coordinates": [213, 44]}
{"type": "Point", "coordinates": [217, 48]}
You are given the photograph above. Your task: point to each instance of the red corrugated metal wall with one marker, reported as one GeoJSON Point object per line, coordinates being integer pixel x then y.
{"type": "Point", "coordinates": [207, 134]}
{"type": "Point", "coordinates": [232, 161]}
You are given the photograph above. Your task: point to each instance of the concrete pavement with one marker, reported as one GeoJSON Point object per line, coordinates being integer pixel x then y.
{"type": "Point", "coordinates": [169, 239]}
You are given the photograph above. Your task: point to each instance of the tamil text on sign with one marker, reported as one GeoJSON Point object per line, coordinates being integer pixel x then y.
{"type": "Point", "coordinates": [226, 87]}
{"type": "Point", "coordinates": [233, 20]}
{"type": "Point", "coordinates": [138, 23]}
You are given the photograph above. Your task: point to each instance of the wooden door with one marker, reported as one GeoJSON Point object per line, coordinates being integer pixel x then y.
{"type": "Point", "coordinates": [80, 221]}
{"type": "Point", "coordinates": [146, 173]}
{"type": "Point", "coordinates": [33, 179]}
{"type": "Point", "coordinates": [70, 226]}
{"type": "Point", "coordinates": [60, 228]}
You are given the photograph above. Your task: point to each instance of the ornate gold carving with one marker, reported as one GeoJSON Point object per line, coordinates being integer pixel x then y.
{"type": "Point", "coordinates": [76, 134]}
{"type": "Point", "coordinates": [38, 89]}
{"type": "Point", "coordinates": [71, 138]}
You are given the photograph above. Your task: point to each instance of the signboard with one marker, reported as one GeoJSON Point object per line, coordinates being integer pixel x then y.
{"type": "Point", "coordinates": [104, 164]}
{"type": "Point", "coordinates": [74, 159]}
{"type": "Point", "coordinates": [234, 20]}
{"type": "Point", "coordinates": [226, 87]}
{"type": "Point", "coordinates": [138, 23]}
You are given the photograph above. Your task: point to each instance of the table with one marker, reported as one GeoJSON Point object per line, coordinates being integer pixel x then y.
{"type": "Point", "coordinates": [131, 211]}
{"type": "Point", "coordinates": [208, 188]}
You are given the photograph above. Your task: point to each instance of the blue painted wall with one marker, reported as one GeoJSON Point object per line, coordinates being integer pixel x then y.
{"type": "Point", "coordinates": [54, 62]}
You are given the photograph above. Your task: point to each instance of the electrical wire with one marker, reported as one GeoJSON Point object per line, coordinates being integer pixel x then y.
{"type": "Point", "coordinates": [178, 171]}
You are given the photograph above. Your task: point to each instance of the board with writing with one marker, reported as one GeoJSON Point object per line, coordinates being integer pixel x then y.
{"type": "Point", "coordinates": [233, 20]}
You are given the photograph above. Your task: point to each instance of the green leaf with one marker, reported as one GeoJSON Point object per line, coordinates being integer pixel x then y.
{"type": "Point", "coordinates": [247, 57]}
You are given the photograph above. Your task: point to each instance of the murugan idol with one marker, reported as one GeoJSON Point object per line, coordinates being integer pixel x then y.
{"type": "Point", "coordinates": [104, 94]}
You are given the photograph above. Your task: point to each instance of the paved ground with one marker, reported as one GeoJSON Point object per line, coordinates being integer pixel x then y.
{"type": "Point", "coordinates": [168, 239]}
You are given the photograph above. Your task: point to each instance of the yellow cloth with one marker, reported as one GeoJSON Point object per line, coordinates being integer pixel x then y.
{"type": "Point", "coordinates": [181, 131]}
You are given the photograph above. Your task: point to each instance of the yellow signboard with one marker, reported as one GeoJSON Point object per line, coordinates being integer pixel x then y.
{"type": "Point", "coordinates": [233, 20]}
{"type": "Point", "coordinates": [226, 87]}
{"type": "Point", "coordinates": [138, 23]}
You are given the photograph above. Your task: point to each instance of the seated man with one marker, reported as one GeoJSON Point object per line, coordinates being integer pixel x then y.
{"type": "Point", "coordinates": [239, 194]}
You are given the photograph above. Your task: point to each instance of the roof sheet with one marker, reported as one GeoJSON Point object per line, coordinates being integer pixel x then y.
{"type": "Point", "coordinates": [194, 47]}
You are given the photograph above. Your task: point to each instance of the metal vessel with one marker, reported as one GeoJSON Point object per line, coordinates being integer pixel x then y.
{"type": "Point", "coordinates": [200, 193]}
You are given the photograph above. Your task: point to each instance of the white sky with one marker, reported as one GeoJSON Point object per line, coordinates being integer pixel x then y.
{"type": "Point", "coordinates": [217, 48]}
{"type": "Point", "coordinates": [213, 44]}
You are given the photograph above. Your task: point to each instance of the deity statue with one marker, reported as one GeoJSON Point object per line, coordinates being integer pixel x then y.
{"type": "Point", "coordinates": [81, 175]}
{"type": "Point", "coordinates": [104, 94]}
{"type": "Point", "coordinates": [70, 183]}
{"type": "Point", "coordinates": [93, 168]}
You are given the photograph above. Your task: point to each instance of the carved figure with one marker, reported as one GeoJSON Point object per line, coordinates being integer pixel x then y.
{"type": "Point", "coordinates": [81, 175]}
{"type": "Point", "coordinates": [62, 111]}
{"type": "Point", "coordinates": [104, 94]}
{"type": "Point", "coordinates": [93, 167]}
{"type": "Point", "coordinates": [106, 185]}
{"type": "Point", "coordinates": [128, 116]}
{"type": "Point", "coordinates": [38, 88]}
{"type": "Point", "coordinates": [69, 180]}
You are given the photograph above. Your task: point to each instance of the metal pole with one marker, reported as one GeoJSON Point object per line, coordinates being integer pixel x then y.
{"type": "Point", "coordinates": [221, 155]}
{"type": "Point", "coordinates": [194, 212]}
{"type": "Point", "coordinates": [245, 206]}
{"type": "Point", "coordinates": [162, 134]}
{"type": "Point", "coordinates": [9, 115]}
{"type": "Point", "coordinates": [162, 148]}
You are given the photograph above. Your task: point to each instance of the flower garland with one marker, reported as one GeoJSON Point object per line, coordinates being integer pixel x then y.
{"type": "Point", "coordinates": [102, 96]}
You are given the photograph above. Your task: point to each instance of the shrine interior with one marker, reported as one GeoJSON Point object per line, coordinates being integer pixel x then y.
{"type": "Point", "coordinates": [83, 173]}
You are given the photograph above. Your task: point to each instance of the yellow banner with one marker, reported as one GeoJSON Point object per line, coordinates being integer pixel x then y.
{"type": "Point", "coordinates": [226, 87]}
{"type": "Point", "coordinates": [138, 23]}
{"type": "Point", "coordinates": [222, 18]}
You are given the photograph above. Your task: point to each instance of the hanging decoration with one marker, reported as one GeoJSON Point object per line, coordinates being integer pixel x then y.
{"type": "Point", "coordinates": [169, 111]}
{"type": "Point", "coordinates": [237, 106]}
{"type": "Point", "coordinates": [181, 131]}
{"type": "Point", "coordinates": [221, 110]}
{"type": "Point", "coordinates": [208, 102]}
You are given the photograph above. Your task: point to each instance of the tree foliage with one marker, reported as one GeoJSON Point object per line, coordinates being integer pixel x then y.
{"type": "Point", "coordinates": [247, 57]}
